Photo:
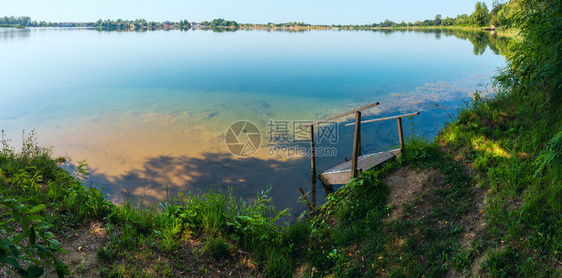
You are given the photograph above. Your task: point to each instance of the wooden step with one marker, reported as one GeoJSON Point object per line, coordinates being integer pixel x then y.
{"type": "Point", "coordinates": [341, 174]}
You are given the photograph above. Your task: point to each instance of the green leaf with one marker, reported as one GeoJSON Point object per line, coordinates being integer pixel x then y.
{"type": "Point", "coordinates": [35, 271]}
{"type": "Point", "coordinates": [246, 218]}
{"type": "Point", "coordinates": [17, 215]}
{"type": "Point", "coordinates": [61, 268]}
{"type": "Point", "coordinates": [20, 237]}
{"type": "Point", "coordinates": [37, 208]}
{"type": "Point", "coordinates": [36, 217]}
{"type": "Point", "coordinates": [40, 248]}
{"type": "Point", "coordinates": [25, 224]}
{"type": "Point", "coordinates": [24, 210]}
{"type": "Point", "coordinates": [5, 245]}
{"type": "Point", "coordinates": [49, 235]}
{"type": "Point", "coordinates": [32, 236]}
{"type": "Point", "coordinates": [14, 263]}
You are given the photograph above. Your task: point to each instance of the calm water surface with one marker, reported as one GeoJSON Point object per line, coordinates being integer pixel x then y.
{"type": "Point", "coordinates": [150, 109]}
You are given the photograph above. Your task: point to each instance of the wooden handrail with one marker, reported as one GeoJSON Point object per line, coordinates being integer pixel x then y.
{"type": "Point", "coordinates": [340, 115]}
{"type": "Point", "coordinates": [387, 118]}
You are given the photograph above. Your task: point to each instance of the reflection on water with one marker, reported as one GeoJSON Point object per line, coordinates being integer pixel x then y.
{"type": "Point", "coordinates": [150, 109]}
{"type": "Point", "coordinates": [480, 39]}
{"type": "Point", "coordinates": [12, 33]}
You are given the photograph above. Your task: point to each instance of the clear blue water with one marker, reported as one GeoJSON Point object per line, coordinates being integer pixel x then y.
{"type": "Point", "coordinates": [146, 109]}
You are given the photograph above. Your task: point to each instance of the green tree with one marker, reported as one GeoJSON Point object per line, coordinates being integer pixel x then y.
{"type": "Point", "coordinates": [387, 23]}
{"type": "Point", "coordinates": [535, 58]}
{"type": "Point", "coordinates": [496, 8]}
{"type": "Point", "coordinates": [462, 19]}
{"type": "Point", "coordinates": [447, 21]}
{"type": "Point", "coordinates": [494, 20]}
{"type": "Point", "coordinates": [480, 15]}
{"type": "Point", "coordinates": [505, 15]}
{"type": "Point", "coordinates": [437, 20]}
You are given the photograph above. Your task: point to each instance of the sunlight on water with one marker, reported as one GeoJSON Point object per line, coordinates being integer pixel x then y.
{"type": "Point", "coordinates": [151, 109]}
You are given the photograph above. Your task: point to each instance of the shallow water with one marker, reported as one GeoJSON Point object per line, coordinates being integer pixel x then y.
{"type": "Point", "coordinates": [150, 109]}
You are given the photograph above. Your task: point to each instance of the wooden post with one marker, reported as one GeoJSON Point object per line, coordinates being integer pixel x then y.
{"type": "Point", "coordinates": [305, 199]}
{"type": "Point", "coordinates": [400, 134]}
{"type": "Point", "coordinates": [356, 144]}
{"type": "Point", "coordinates": [313, 164]}
{"type": "Point", "coordinates": [359, 137]}
{"type": "Point", "coordinates": [329, 189]}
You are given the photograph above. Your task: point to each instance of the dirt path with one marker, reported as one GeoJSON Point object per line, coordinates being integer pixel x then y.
{"type": "Point", "coordinates": [411, 197]}
{"type": "Point", "coordinates": [410, 187]}
{"type": "Point", "coordinates": [82, 247]}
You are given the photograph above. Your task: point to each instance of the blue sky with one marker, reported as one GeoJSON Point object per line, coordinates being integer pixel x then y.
{"type": "Point", "coordinates": [243, 11]}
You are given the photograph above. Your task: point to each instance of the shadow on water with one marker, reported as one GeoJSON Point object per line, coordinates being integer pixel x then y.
{"type": "Point", "coordinates": [250, 175]}
{"type": "Point", "coordinates": [246, 177]}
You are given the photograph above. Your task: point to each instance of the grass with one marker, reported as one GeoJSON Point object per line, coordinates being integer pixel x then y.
{"type": "Point", "coordinates": [181, 236]}
{"type": "Point", "coordinates": [490, 206]}
{"type": "Point", "coordinates": [355, 237]}
{"type": "Point", "coordinates": [513, 143]}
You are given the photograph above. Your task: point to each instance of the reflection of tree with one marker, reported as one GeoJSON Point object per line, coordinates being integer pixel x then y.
{"type": "Point", "coordinates": [14, 33]}
{"type": "Point", "coordinates": [481, 40]}
{"type": "Point", "coordinates": [499, 44]}
{"type": "Point", "coordinates": [221, 30]}
{"type": "Point", "coordinates": [438, 34]}
{"type": "Point", "coordinates": [387, 31]}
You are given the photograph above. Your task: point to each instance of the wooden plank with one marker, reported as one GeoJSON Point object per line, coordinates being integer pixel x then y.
{"type": "Point", "coordinates": [336, 178]}
{"type": "Point", "coordinates": [313, 164]}
{"type": "Point", "coordinates": [356, 143]}
{"type": "Point", "coordinates": [341, 174]}
{"type": "Point", "coordinates": [347, 164]}
{"type": "Point", "coordinates": [340, 115]}
{"type": "Point", "coordinates": [387, 118]}
{"type": "Point", "coordinates": [400, 134]}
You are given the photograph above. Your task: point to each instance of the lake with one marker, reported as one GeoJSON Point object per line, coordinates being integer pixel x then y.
{"type": "Point", "coordinates": [150, 110]}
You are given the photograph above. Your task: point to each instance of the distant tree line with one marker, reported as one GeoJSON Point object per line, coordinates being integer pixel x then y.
{"type": "Point", "coordinates": [499, 16]}
{"type": "Point", "coordinates": [219, 22]}
{"type": "Point", "coordinates": [288, 24]}
{"type": "Point", "coordinates": [23, 21]}
{"type": "Point", "coordinates": [121, 24]}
